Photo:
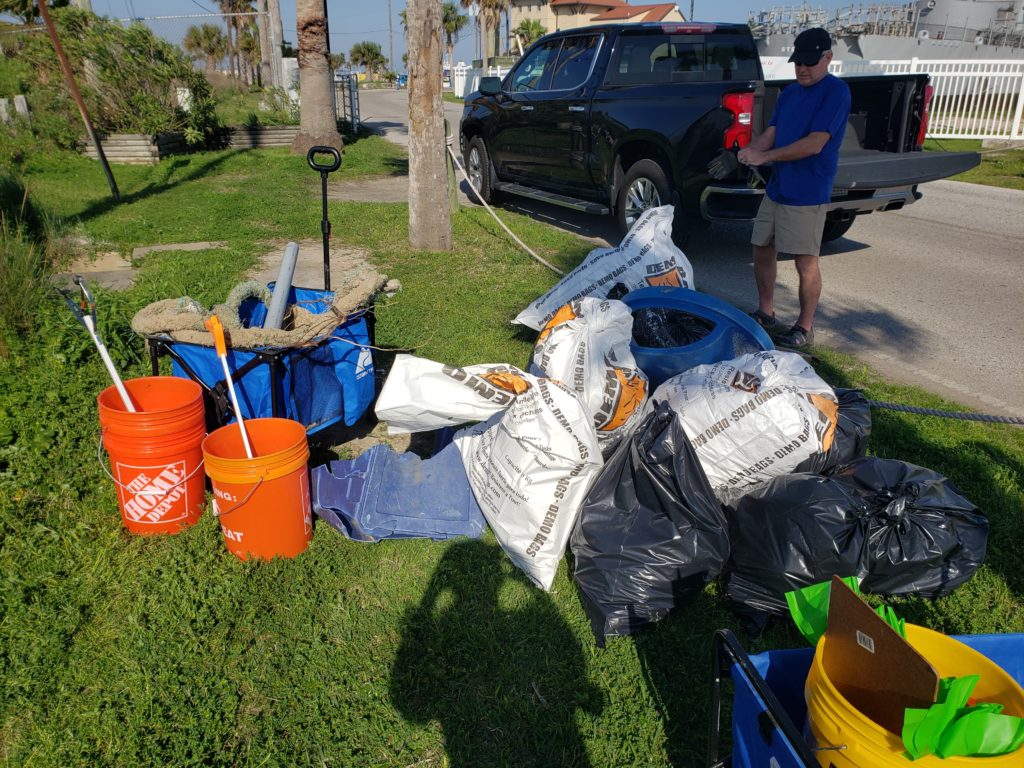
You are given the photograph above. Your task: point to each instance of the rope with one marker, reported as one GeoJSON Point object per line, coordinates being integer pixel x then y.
{"type": "Point", "coordinates": [524, 246]}
{"type": "Point", "coordinates": [948, 414]}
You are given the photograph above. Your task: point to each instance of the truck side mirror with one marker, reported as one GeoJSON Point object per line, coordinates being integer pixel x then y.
{"type": "Point", "coordinates": [490, 86]}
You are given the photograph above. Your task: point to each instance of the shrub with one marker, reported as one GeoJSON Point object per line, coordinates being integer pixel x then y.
{"type": "Point", "coordinates": [129, 78]}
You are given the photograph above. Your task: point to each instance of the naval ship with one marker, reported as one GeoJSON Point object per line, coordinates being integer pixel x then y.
{"type": "Point", "coordinates": [923, 29]}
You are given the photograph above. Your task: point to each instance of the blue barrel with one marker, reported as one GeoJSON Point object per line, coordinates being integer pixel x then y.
{"type": "Point", "coordinates": [734, 332]}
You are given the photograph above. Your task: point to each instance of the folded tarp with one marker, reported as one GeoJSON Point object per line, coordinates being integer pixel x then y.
{"type": "Point", "coordinates": [388, 495]}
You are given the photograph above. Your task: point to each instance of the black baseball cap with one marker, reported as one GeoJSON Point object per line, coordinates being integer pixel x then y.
{"type": "Point", "coordinates": [810, 45]}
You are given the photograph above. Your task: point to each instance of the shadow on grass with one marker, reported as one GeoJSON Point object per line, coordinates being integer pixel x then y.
{"type": "Point", "coordinates": [503, 675]}
{"type": "Point", "coordinates": [162, 183]}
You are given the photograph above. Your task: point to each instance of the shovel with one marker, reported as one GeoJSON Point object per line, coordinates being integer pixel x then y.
{"type": "Point", "coordinates": [85, 312]}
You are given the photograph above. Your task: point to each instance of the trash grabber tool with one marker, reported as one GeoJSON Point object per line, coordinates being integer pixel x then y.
{"type": "Point", "coordinates": [325, 225]}
{"type": "Point", "coordinates": [215, 328]}
{"type": "Point", "coordinates": [84, 311]}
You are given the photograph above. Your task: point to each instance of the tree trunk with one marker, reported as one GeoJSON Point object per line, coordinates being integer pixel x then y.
{"type": "Point", "coordinates": [318, 125]}
{"type": "Point", "coordinates": [263, 27]}
{"type": "Point", "coordinates": [277, 28]}
{"type": "Point", "coordinates": [430, 225]}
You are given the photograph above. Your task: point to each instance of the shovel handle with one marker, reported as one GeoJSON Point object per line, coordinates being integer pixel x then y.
{"type": "Point", "coordinates": [213, 325]}
{"type": "Point", "coordinates": [334, 165]}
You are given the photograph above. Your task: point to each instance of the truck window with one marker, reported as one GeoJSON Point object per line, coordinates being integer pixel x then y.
{"type": "Point", "coordinates": [533, 73]}
{"type": "Point", "coordinates": [651, 59]}
{"type": "Point", "coordinates": [575, 61]}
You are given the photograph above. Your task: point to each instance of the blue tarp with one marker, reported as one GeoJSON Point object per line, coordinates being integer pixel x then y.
{"type": "Point", "coordinates": [388, 495]}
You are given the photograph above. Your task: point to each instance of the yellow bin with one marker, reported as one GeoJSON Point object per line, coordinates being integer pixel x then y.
{"type": "Point", "coordinates": [834, 722]}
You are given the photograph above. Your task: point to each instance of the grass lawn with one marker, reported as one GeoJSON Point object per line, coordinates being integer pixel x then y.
{"type": "Point", "coordinates": [121, 650]}
{"type": "Point", "coordinates": [998, 168]}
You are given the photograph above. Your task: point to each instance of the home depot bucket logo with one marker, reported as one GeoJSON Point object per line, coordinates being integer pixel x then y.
{"type": "Point", "coordinates": [624, 392]}
{"type": "Point", "coordinates": [152, 494]}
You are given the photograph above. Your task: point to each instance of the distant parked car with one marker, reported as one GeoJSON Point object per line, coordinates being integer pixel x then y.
{"type": "Point", "coordinates": [401, 81]}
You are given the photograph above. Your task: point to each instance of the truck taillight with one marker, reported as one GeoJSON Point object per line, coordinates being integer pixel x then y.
{"type": "Point", "coordinates": [741, 131]}
{"type": "Point", "coordinates": [923, 129]}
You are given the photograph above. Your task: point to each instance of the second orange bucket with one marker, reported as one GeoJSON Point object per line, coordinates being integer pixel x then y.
{"type": "Point", "coordinates": [263, 502]}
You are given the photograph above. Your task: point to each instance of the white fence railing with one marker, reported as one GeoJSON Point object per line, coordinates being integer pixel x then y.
{"type": "Point", "coordinates": [973, 99]}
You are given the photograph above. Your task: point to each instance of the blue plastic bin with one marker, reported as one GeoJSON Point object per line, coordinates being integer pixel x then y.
{"type": "Point", "coordinates": [734, 333]}
{"type": "Point", "coordinates": [318, 385]}
{"type": "Point", "coordinates": [768, 709]}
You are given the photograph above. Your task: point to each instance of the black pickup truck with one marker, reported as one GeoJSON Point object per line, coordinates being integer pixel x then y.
{"type": "Point", "coordinates": [620, 118]}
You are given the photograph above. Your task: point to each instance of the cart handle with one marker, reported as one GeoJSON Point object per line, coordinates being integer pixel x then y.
{"type": "Point", "coordinates": [725, 652]}
{"type": "Point", "coordinates": [334, 165]}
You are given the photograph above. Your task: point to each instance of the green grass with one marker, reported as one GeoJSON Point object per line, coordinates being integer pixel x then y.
{"type": "Point", "coordinates": [235, 107]}
{"type": "Point", "coordinates": [449, 96]}
{"type": "Point", "coordinates": [120, 650]}
{"type": "Point", "coordinates": [998, 168]}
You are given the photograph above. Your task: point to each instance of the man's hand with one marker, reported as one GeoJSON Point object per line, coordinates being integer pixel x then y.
{"type": "Point", "coordinates": [750, 156]}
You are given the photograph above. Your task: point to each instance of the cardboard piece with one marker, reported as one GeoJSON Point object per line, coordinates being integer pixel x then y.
{"type": "Point", "coordinates": [874, 668]}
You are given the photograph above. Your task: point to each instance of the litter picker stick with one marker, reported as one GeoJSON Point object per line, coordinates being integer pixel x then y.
{"type": "Point", "coordinates": [214, 326]}
{"type": "Point", "coordinates": [325, 225]}
{"type": "Point", "coordinates": [85, 312]}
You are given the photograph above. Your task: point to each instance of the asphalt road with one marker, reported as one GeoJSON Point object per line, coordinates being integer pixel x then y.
{"type": "Point", "coordinates": [932, 295]}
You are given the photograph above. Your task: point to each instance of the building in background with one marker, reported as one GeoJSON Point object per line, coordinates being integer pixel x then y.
{"type": "Point", "coordinates": [555, 15]}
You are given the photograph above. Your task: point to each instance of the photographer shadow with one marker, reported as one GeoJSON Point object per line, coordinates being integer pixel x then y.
{"type": "Point", "coordinates": [488, 656]}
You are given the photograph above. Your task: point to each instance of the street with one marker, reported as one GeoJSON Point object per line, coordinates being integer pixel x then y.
{"type": "Point", "coordinates": [932, 295]}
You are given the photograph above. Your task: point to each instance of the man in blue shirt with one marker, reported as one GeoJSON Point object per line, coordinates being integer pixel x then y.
{"type": "Point", "coordinates": [801, 143]}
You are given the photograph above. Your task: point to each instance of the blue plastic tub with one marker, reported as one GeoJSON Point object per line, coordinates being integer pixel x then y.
{"type": "Point", "coordinates": [759, 726]}
{"type": "Point", "coordinates": [734, 333]}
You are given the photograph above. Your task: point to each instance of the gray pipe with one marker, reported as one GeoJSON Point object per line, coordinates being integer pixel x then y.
{"type": "Point", "coordinates": [279, 301]}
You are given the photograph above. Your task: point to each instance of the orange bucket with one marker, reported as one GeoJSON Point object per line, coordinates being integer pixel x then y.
{"type": "Point", "coordinates": [156, 453]}
{"type": "Point", "coordinates": [263, 502]}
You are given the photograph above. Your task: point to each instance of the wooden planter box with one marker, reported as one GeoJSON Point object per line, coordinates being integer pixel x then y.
{"type": "Point", "coordinates": [149, 149]}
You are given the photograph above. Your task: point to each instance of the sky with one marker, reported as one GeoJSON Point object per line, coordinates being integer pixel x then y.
{"type": "Point", "coordinates": [352, 21]}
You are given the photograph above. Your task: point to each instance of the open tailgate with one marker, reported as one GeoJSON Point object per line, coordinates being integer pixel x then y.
{"type": "Point", "coordinates": [872, 169]}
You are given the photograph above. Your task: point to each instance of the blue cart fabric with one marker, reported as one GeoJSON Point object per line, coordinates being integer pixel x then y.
{"type": "Point", "coordinates": [785, 672]}
{"type": "Point", "coordinates": [318, 385]}
{"type": "Point", "coordinates": [388, 495]}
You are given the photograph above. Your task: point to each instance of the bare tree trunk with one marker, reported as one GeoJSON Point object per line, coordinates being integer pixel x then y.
{"type": "Point", "coordinates": [263, 27]}
{"type": "Point", "coordinates": [277, 30]}
{"type": "Point", "coordinates": [318, 125]}
{"type": "Point", "coordinates": [430, 224]}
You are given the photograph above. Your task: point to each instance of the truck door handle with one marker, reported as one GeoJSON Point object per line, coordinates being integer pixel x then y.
{"type": "Point", "coordinates": [527, 108]}
{"type": "Point", "coordinates": [577, 109]}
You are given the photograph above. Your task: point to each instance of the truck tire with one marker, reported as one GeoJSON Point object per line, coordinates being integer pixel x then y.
{"type": "Point", "coordinates": [479, 169]}
{"type": "Point", "coordinates": [644, 186]}
{"type": "Point", "coordinates": [835, 228]}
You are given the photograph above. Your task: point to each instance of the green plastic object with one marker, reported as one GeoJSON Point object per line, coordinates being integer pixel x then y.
{"type": "Point", "coordinates": [951, 728]}
{"type": "Point", "coordinates": [809, 607]}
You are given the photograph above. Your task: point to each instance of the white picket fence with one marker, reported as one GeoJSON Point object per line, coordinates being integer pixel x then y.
{"type": "Point", "coordinates": [973, 99]}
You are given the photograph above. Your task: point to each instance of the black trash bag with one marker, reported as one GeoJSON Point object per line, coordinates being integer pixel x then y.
{"type": "Point", "coordinates": [900, 528]}
{"type": "Point", "coordinates": [851, 437]}
{"type": "Point", "coordinates": [666, 328]}
{"type": "Point", "coordinates": [651, 534]}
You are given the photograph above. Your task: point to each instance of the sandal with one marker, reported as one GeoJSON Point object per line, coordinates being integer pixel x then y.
{"type": "Point", "coordinates": [798, 337]}
{"type": "Point", "coordinates": [765, 321]}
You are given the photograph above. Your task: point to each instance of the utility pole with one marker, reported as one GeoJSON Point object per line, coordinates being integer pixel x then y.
{"type": "Point", "coordinates": [65, 65]}
{"type": "Point", "coordinates": [391, 42]}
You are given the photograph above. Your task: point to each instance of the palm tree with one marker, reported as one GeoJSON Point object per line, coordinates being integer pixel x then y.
{"type": "Point", "coordinates": [367, 54]}
{"type": "Point", "coordinates": [430, 225]}
{"type": "Point", "coordinates": [249, 48]}
{"type": "Point", "coordinates": [452, 22]}
{"type": "Point", "coordinates": [318, 124]}
{"type": "Point", "coordinates": [234, 25]}
{"type": "Point", "coordinates": [528, 31]}
{"type": "Point", "coordinates": [207, 41]}
{"type": "Point", "coordinates": [337, 60]}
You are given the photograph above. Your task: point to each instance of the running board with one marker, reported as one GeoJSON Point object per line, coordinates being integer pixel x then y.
{"type": "Point", "coordinates": [584, 206]}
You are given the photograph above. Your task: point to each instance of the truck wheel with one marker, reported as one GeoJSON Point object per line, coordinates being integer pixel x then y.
{"type": "Point", "coordinates": [645, 186]}
{"type": "Point", "coordinates": [478, 168]}
{"type": "Point", "coordinates": [835, 228]}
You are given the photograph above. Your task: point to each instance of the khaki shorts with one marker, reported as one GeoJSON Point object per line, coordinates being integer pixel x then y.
{"type": "Point", "coordinates": [794, 229]}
